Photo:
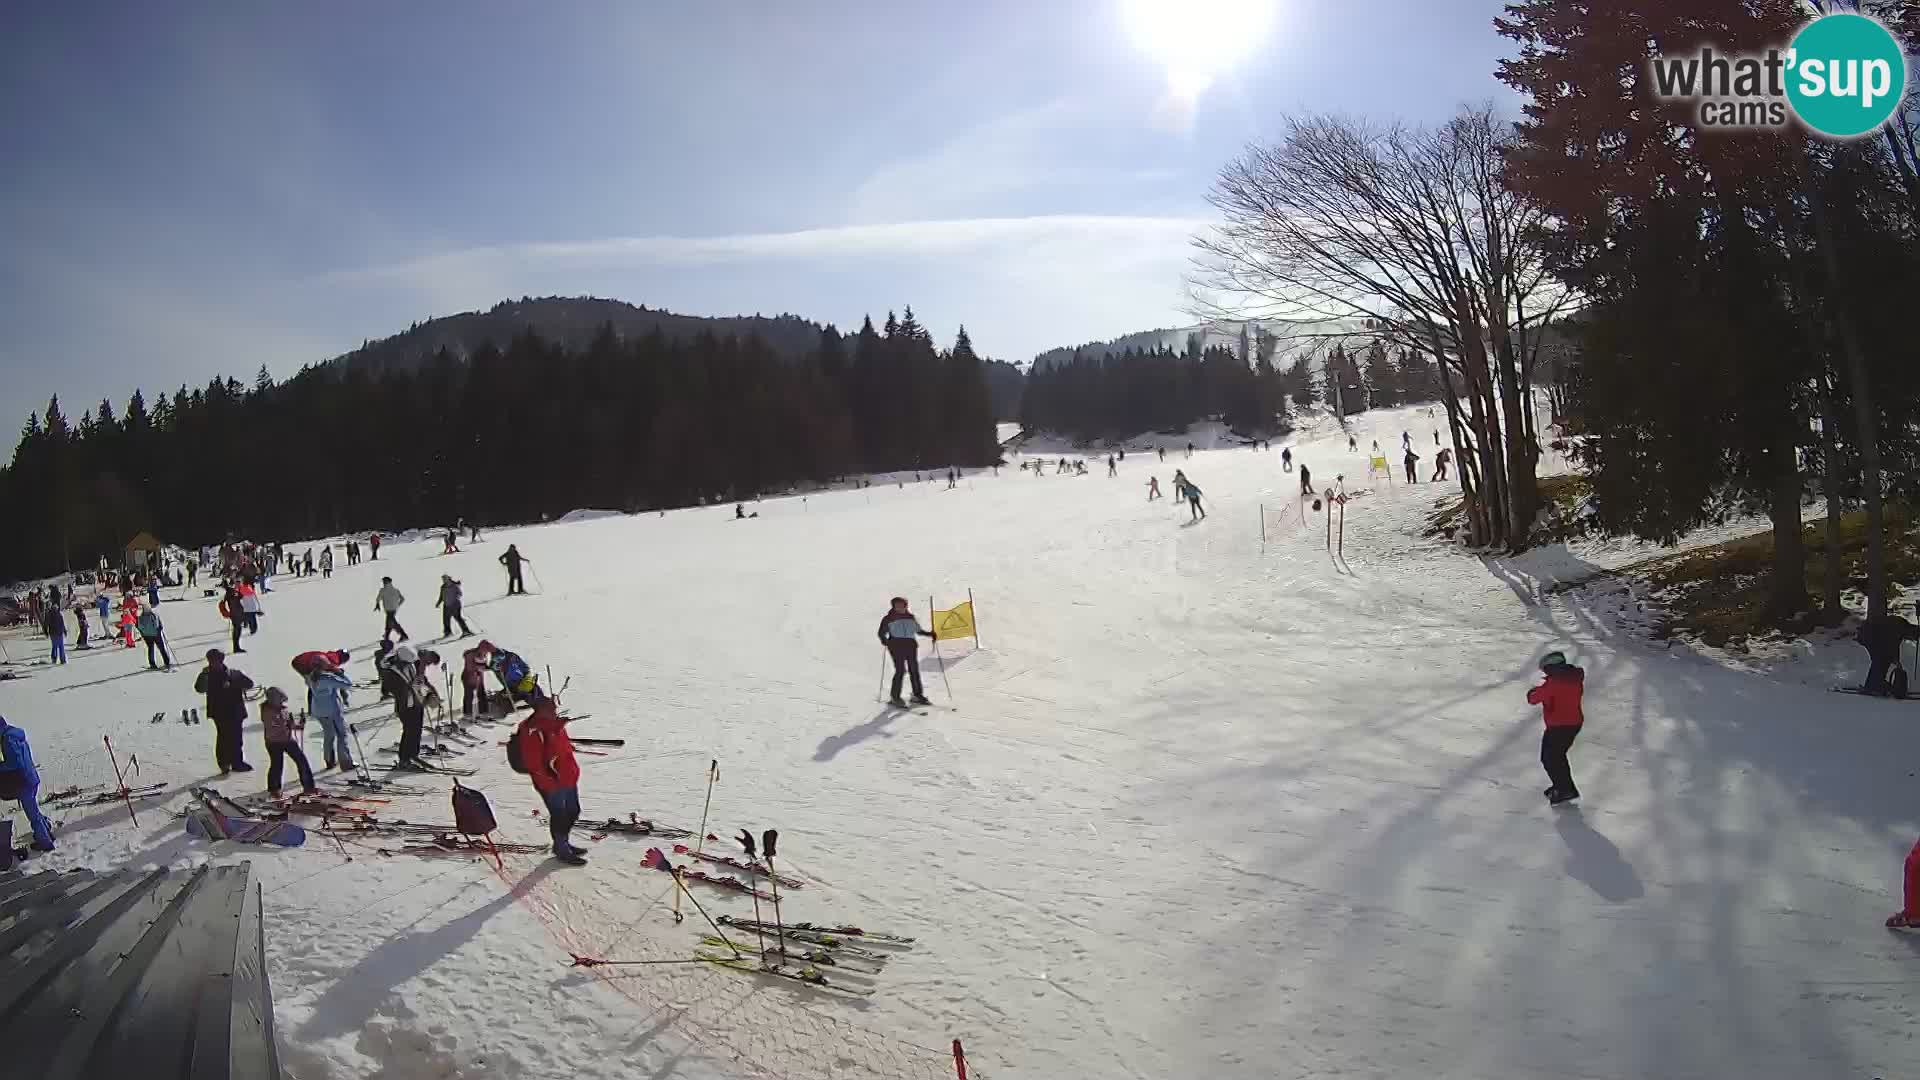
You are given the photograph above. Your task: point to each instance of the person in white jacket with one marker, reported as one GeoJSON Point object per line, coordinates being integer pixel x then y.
{"type": "Point", "coordinates": [389, 601]}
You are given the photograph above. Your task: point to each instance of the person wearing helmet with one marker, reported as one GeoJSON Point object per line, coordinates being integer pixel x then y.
{"type": "Point", "coordinates": [900, 632]}
{"type": "Point", "coordinates": [1559, 699]}
{"type": "Point", "coordinates": [400, 675]}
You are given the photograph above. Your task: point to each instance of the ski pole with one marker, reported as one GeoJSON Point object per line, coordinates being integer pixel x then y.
{"type": "Point", "coordinates": [942, 659]}
{"type": "Point", "coordinates": [713, 777]}
{"type": "Point", "coordinates": [122, 780]}
{"type": "Point", "coordinates": [879, 692]}
{"type": "Point", "coordinates": [746, 841]}
{"type": "Point", "coordinates": [659, 860]}
{"type": "Point", "coordinates": [767, 841]}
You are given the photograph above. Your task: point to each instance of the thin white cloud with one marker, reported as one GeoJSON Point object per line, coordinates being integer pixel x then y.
{"type": "Point", "coordinates": [917, 240]}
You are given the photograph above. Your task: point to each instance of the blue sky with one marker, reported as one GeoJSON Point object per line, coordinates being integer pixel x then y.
{"type": "Point", "coordinates": [189, 189]}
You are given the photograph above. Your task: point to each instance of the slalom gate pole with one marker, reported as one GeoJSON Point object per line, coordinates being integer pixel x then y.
{"type": "Point", "coordinates": [971, 606]}
{"type": "Point", "coordinates": [1263, 523]}
{"type": "Point", "coordinates": [1341, 549]}
{"type": "Point", "coordinates": [121, 780]}
{"type": "Point", "coordinates": [959, 1061]}
{"type": "Point", "coordinates": [937, 656]}
{"type": "Point", "coordinates": [1328, 504]}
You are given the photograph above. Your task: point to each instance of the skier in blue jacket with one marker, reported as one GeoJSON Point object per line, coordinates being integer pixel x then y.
{"type": "Point", "coordinates": [20, 780]}
{"type": "Point", "coordinates": [327, 690]}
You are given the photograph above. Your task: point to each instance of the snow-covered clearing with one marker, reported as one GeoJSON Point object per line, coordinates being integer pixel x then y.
{"type": "Point", "coordinates": [1204, 807]}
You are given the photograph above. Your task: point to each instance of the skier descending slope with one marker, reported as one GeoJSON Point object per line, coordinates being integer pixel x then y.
{"type": "Point", "coordinates": [1559, 700]}
{"type": "Point", "coordinates": [899, 632]}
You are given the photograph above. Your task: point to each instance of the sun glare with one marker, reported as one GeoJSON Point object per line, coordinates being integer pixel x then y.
{"type": "Point", "coordinates": [1194, 41]}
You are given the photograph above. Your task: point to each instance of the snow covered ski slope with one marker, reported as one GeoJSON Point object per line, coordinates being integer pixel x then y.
{"type": "Point", "coordinates": [1202, 807]}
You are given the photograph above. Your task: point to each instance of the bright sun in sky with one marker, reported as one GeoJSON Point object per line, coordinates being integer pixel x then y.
{"type": "Point", "coordinates": [1196, 40]}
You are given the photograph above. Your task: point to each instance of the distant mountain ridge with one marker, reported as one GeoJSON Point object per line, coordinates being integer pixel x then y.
{"type": "Point", "coordinates": [571, 321]}
{"type": "Point", "coordinates": [1293, 337]}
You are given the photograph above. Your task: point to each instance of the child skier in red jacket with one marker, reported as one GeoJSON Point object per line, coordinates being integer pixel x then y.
{"type": "Point", "coordinates": [1559, 701]}
{"type": "Point", "coordinates": [1908, 917]}
{"type": "Point", "coordinates": [555, 772]}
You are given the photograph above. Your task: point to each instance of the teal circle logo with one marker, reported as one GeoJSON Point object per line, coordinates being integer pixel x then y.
{"type": "Point", "coordinates": [1846, 75]}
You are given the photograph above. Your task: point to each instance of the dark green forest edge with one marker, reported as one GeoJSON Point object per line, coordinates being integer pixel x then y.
{"type": "Point", "coordinates": [516, 432]}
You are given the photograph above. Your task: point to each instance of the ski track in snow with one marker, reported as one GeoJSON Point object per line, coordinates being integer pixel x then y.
{"type": "Point", "coordinates": [1204, 806]}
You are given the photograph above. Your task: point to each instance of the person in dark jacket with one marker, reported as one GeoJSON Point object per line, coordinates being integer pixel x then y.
{"type": "Point", "coordinates": [226, 691]}
{"type": "Point", "coordinates": [235, 612]}
{"type": "Point", "coordinates": [400, 679]}
{"type": "Point", "coordinates": [54, 622]}
{"type": "Point", "coordinates": [1306, 479]}
{"type": "Point", "coordinates": [449, 605]}
{"type": "Point", "coordinates": [512, 560]}
{"type": "Point", "coordinates": [1410, 460]}
{"type": "Point", "coordinates": [555, 772]}
{"type": "Point", "coordinates": [1560, 710]}
{"type": "Point", "coordinates": [900, 632]}
{"type": "Point", "coordinates": [1882, 637]}
{"type": "Point", "coordinates": [20, 781]}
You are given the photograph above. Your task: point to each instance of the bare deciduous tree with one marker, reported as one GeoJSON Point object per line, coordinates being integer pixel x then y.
{"type": "Point", "coordinates": [1410, 230]}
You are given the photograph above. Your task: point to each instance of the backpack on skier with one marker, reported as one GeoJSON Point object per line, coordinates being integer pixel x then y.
{"type": "Point", "coordinates": [514, 673]}
{"type": "Point", "coordinates": [516, 757]}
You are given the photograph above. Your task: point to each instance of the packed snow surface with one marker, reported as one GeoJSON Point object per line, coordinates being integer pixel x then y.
{"type": "Point", "coordinates": [1203, 805]}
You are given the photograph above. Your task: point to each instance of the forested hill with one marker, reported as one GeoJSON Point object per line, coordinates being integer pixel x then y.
{"type": "Point", "coordinates": [571, 323]}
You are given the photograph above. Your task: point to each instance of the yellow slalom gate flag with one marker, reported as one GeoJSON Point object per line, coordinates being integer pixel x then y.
{"type": "Point", "coordinates": [954, 622]}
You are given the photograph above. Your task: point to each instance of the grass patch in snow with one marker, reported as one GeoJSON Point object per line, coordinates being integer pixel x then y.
{"type": "Point", "coordinates": [1563, 500]}
{"type": "Point", "coordinates": [1718, 595]}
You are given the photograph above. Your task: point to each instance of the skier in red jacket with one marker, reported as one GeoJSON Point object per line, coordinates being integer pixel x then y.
{"type": "Point", "coordinates": [548, 754]}
{"type": "Point", "coordinates": [1908, 916]}
{"type": "Point", "coordinates": [1559, 701]}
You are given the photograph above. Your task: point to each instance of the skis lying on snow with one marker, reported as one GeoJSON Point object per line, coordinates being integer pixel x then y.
{"type": "Point", "coordinates": [424, 767]}
{"type": "Point", "coordinates": [71, 799]}
{"type": "Point", "coordinates": [824, 955]}
{"type": "Point", "coordinates": [727, 860]}
{"type": "Point", "coordinates": [718, 881]}
{"type": "Point", "coordinates": [427, 750]}
{"type": "Point", "coordinates": [839, 945]}
{"type": "Point", "coordinates": [808, 974]}
{"type": "Point", "coordinates": [636, 825]}
{"type": "Point", "coordinates": [1862, 693]}
{"type": "Point", "coordinates": [465, 846]}
{"type": "Point", "coordinates": [220, 818]}
{"type": "Point", "coordinates": [792, 929]}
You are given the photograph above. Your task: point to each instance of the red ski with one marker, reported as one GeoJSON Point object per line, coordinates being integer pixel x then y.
{"type": "Point", "coordinates": [728, 860]}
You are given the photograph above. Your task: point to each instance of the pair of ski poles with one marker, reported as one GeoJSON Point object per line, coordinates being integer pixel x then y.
{"type": "Point", "coordinates": [886, 658]}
